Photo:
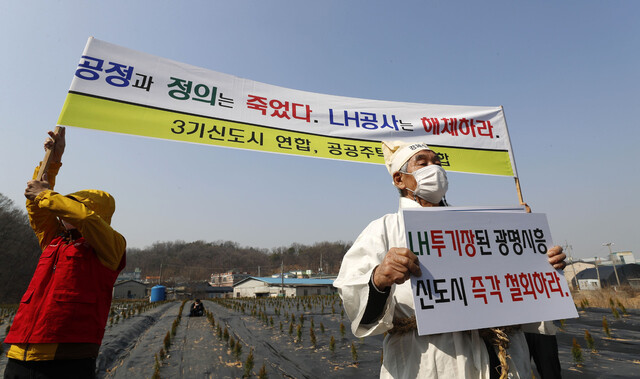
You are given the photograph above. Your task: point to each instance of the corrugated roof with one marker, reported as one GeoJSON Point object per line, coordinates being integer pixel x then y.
{"type": "Point", "coordinates": [290, 281]}
{"type": "Point", "coordinates": [607, 274]}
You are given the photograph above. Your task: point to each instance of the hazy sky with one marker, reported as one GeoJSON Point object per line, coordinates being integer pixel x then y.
{"type": "Point", "coordinates": [567, 74]}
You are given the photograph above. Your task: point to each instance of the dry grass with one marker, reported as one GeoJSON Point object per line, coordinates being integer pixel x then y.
{"type": "Point", "coordinates": [628, 296]}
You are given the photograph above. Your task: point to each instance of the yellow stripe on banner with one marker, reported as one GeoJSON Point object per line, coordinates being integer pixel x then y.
{"type": "Point", "coordinates": [490, 162]}
{"type": "Point", "coordinates": [112, 116]}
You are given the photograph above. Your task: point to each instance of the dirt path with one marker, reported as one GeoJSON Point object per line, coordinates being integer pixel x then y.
{"type": "Point", "coordinates": [196, 353]}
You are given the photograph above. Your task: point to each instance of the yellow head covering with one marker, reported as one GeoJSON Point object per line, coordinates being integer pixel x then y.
{"type": "Point", "coordinates": [102, 203]}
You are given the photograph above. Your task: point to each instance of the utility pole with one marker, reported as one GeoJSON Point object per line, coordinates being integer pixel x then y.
{"type": "Point", "coordinates": [160, 277]}
{"type": "Point", "coordinates": [258, 271]}
{"type": "Point", "coordinates": [596, 261]}
{"type": "Point", "coordinates": [282, 278]}
{"type": "Point", "coordinates": [613, 261]}
{"type": "Point", "coordinates": [573, 266]}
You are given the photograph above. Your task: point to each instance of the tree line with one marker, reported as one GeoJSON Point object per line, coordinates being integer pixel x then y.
{"type": "Point", "coordinates": [19, 252]}
{"type": "Point", "coordinates": [177, 261]}
{"type": "Point", "coordinates": [181, 261]}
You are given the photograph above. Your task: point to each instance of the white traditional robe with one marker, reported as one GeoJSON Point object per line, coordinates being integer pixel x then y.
{"type": "Point", "coordinates": [446, 355]}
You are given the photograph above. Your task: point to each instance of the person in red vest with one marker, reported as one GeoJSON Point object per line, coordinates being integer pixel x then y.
{"type": "Point", "coordinates": [60, 322]}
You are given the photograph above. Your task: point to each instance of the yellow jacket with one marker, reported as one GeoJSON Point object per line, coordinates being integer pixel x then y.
{"type": "Point", "coordinates": [90, 212]}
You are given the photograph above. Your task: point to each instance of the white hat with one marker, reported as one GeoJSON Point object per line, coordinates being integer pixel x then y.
{"type": "Point", "coordinates": [397, 153]}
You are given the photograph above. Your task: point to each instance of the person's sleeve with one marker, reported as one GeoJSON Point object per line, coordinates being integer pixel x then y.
{"type": "Point", "coordinates": [375, 303]}
{"type": "Point", "coordinates": [44, 223]}
{"type": "Point", "coordinates": [353, 283]}
{"type": "Point", "coordinates": [108, 243]}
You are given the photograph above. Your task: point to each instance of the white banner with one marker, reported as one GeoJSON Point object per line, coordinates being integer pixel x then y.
{"type": "Point", "coordinates": [125, 91]}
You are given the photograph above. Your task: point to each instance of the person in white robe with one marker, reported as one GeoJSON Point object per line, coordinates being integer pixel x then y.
{"type": "Point", "coordinates": [373, 284]}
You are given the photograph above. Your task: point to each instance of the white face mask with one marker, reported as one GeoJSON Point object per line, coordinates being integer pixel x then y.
{"type": "Point", "coordinates": [432, 183]}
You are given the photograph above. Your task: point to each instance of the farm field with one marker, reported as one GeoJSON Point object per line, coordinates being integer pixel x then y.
{"type": "Point", "coordinates": [277, 333]}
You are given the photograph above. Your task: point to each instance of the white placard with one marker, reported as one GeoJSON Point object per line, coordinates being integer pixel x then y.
{"type": "Point", "coordinates": [483, 269]}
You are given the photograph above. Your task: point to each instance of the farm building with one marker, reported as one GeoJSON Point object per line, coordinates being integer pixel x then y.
{"type": "Point", "coordinates": [574, 269]}
{"type": "Point", "coordinates": [207, 291]}
{"type": "Point", "coordinates": [271, 287]}
{"type": "Point", "coordinates": [129, 289]}
{"type": "Point", "coordinates": [607, 276]}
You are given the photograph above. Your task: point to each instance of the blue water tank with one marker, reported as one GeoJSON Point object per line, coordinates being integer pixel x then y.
{"type": "Point", "coordinates": [157, 294]}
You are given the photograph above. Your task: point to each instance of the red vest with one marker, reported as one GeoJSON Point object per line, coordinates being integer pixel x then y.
{"type": "Point", "coordinates": [68, 299]}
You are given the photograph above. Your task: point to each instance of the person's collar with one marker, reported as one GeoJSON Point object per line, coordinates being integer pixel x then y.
{"type": "Point", "coordinates": [408, 203]}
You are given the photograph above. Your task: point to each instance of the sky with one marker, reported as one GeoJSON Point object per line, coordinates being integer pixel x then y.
{"type": "Point", "coordinates": [566, 74]}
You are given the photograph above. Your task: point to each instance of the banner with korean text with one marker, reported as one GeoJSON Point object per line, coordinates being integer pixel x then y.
{"type": "Point", "coordinates": [483, 269]}
{"type": "Point", "coordinates": [120, 90]}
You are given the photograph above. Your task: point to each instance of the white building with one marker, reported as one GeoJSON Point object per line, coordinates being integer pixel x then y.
{"type": "Point", "coordinates": [622, 257]}
{"type": "Point", "coordinates": [227, 279]}
{"type": "Point", "coordinates": [135, 275]}
{"type": "Point", "coordinates": [589, 284]}
{"type": "Point", "coordinates": [271, 287]}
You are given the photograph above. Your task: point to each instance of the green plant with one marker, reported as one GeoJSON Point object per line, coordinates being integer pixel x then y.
{"type": "Point", "coordinates": [605, 326]}
{"type": "Point", "coordinates": [622, 308]}
{"type": "Point", "coordinates": [576, 352]}
{"type": "Point", "coordinates": [167, 341]}
{"type": "Point", "coordinates": [615, 312]}
{"type": "Point", "coordinates": [262, 374]}
{"type": "Point", "coordinates": [248, 364]}
{"type": "Point", "coordinates": [174, 327]}
{"type": "Point", "coordinates": [232, 343]}
{"type": "Point", "coordinates": [354, 353]}
{"type": "Point", "coordinates": [312, 336]}
{"type": "Point", "coordinates": [237, 350]}
{"type": "Point", "coordinates": [591, 343]}
{"type": "Point", "coordinates": [342, 330]}
{"type": "Point", "coordinates": [332, 344]}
